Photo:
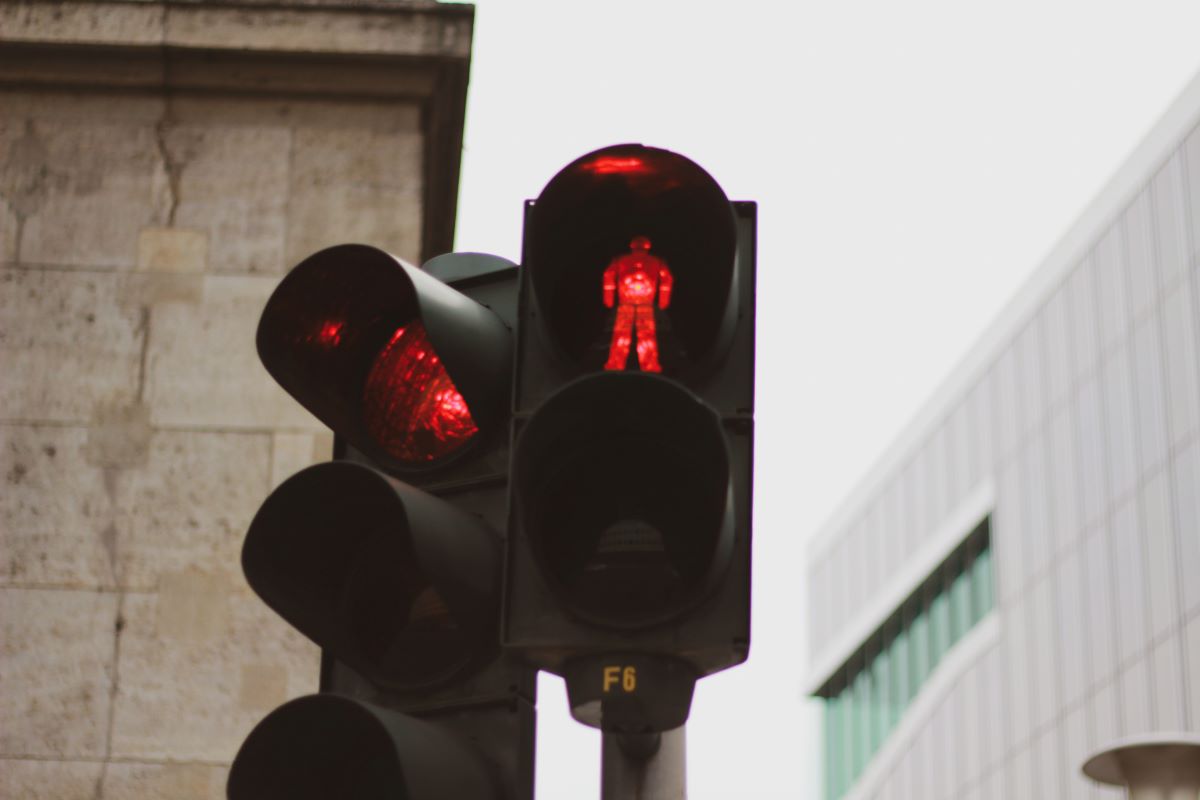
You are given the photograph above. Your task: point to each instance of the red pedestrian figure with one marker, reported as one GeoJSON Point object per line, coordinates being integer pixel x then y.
{"type": "Point", "coordinates": [633, 280]}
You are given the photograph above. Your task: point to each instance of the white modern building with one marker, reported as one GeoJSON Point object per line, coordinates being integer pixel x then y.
{"type": "Point", "coordinates": [1016, 584]}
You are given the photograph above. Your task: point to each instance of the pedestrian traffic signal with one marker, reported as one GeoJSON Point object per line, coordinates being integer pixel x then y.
{"type": "Point", "coordinates": [390, 558]}
{"type": "Point", "coordinates": [629, 552]}
{"type": "Point", "coordinates": [636, 283]}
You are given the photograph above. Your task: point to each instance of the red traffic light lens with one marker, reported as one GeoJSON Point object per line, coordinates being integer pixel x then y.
{"type": "Point", "coordinates": [406, 369]}
{"type": "Point", "coordinates": [608, 165]}
{"type": "Point", "coordinates": [411, 408]}
{"type": "Point", "coordinates": [651, 234]}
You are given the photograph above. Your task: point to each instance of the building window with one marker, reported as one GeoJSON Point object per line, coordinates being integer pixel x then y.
{"type": "Point", "coordinates": [866, 697]}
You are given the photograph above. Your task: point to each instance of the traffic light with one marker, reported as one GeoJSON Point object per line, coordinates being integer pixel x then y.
{"type": "Point", "coordinates": [390, 558]}
{"type": "Point", "coordinates": [629, 547]}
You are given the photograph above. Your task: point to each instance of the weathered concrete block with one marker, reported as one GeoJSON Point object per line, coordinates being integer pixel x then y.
{"type": "Point", "coordinates": [114, 23]}
{"type": "Point", "coordinates": [202, 368]}
{"type": "Point", "coordinates": [377, 153]}
{"type": "Point", "coordinates": [65, 344]}
{"type": "Point", "coordinates": [8, 233]}
{"type": "Point", "coordinates": [57, 656]}
{"type": "Point", "coordinates": [204, 667]}
{"type": "Point", "coordinates": [292, 452]}
{"type": "Point", "coordinates": [125, 781]}
{"type": "Point", "coordinates": [172, 250]}
{"type": "Point", "coordinates": [294, 112]}
{"type": "Point", "coordinates": [80, 107]}
{"type": "Point", "coordinates": [140, 290]}
{"type": "Point", "coordinates": [88, 510]}
{"type": "Point", "coordinates": [355, 185]}
{"type": "Point", "coordinates": [231, 181]}
{"type": "Point", "coordinates": [9, 224]}
{"type": "Point", "coordinates": [86, 190]}
{"type": "Point", "coordinates": [36, 780]}
{"type": "Point", "coordinates": [274, 180]}
{"type": "Point", "coordinates": [119, 436]}
{"type": "Point", "coordinates": [403, 30]}
{"type": "Point", "coordinates": [192, 606]}
{"type": "Point", "coordinates": [262, 686]}
{"type": "Point", "coordinates": [189, 505]}
{"type": "Point", "coordinates": [56, 511]}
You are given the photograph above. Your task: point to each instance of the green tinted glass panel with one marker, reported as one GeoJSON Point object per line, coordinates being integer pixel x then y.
{"type": "Point", "coordinates": [918, 652]}
{"type": "Point", "coordinates": [879, 692]}
{"type": "Point", "coordinates": [860, 724]}
{"type": "Point", "coordinates": [981, 584]}
{"type": "Point", "coordinates": [849, 715]}
{"type": "Point", "coordinates": [898, 694]}
{"type": "Point", "coordinates": [888, 671]}
{"type": "Point", "coordinates": [960, 605]}
{"type": "Point", "coordinates": [833, 748]}
{"type": "Point", "coordinates": [939, 628]}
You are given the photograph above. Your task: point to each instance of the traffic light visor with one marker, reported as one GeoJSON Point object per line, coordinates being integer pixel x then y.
{"type": "Point", "coordinates": [408, 370]}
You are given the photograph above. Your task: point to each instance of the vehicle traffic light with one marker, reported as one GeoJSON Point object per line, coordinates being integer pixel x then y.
{"type": "Point", "coordinates": [390, 558]}
{"type": "Point", "coordinates": [629, 548]}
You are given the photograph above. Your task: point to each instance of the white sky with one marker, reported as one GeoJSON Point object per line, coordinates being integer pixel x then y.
{"type": "Point", "coordinates": [913, 162]}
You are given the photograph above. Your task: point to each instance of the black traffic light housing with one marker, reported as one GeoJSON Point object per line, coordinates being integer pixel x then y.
{"type": "Point", "coordinates": [390, 558]}
{"type": "Point", "coordinates": [628, 566]}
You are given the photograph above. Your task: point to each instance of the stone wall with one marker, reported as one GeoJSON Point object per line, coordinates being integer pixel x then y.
{"type": "Point", "coordinates": [152, 193]}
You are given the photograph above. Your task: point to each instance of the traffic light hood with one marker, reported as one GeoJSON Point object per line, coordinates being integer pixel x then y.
{"type": "Point", "coordinates": [394, 582]}
{"type": "Point", "coordinates": [406, 369]}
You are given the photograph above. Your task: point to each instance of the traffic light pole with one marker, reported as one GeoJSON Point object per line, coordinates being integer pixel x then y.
{"type": "Point", "coordinates": [644, 767]}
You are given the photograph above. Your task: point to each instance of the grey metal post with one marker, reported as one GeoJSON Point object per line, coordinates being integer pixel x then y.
{"type": "Point", "coordinates": [649, 767]}
{"type": "Point", "coordinates": [1158, 766]}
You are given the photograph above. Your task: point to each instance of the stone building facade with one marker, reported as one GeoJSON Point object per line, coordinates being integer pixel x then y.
{"type": "Point", "coordinates": [162, 165]}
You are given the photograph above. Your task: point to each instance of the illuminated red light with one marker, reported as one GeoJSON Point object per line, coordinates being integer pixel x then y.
{"type": "Point", "coordinates": [410, 406]}
{"type": "Point", "coordinates": [609, 165]}
{"type": "Point", "coordinates": [631, 283]}
{"type": "Point", "coordinates": [330, 334]}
